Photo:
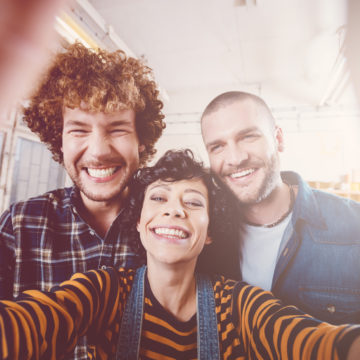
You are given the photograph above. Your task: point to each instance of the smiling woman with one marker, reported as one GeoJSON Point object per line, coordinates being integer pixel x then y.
{"type": "Point", "coordinates": [167, 309]}
{"type": "Point", "coordinates": [174, 221]}
{"type": "Point", "coordinates": [204, 195]}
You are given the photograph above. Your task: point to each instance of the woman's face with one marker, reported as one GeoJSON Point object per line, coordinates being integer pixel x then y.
{"type": "Point", "coordinates": [174, 221]}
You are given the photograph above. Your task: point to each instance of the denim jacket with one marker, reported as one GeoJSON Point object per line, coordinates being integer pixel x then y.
{"type": "Point", "coordinates": [318, 267]}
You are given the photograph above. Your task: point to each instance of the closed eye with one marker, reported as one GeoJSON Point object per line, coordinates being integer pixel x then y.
{"type": "Point", "coordinates": [118, 131]}
{"type": "Point", "coordinates": [157, 198]}
{"type": "Point", "coordinates": [250, 136]}
{"type": "Point", "coordinates": [77, 131]}
{"type": "Point", "coordinates": [194, 203]}
{"type": "Point", "coordinates": [215, 147]}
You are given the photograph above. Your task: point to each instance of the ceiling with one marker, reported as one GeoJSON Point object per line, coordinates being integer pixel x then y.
{"type": "Point", "coordinates": [288, 51]}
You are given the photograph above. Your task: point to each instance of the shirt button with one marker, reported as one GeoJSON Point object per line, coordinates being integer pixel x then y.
{"type": "Point", "coordinates": [331, 309]}
{"type": "Point", "coordinates": [92, 232]}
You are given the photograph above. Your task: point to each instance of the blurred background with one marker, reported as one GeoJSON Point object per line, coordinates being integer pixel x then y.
{"type": "Point", "coordinates": [292, 53]}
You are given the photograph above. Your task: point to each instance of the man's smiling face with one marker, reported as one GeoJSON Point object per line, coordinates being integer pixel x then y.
{"type": "Point", "coordinates": [101, 152]}
{"type": "Point", "coordinates": [243, 145]}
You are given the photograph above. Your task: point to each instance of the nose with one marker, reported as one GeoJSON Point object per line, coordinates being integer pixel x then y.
{"type": "Point", "coordinates": [99, 146]}
{"type": "Point", "coordinates": [176, 211]}
{"type": "Point", "coordinates": [235, 154]}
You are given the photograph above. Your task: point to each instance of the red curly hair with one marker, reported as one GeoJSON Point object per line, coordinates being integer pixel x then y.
{"type": "Point", "coordinates": [105, 82]}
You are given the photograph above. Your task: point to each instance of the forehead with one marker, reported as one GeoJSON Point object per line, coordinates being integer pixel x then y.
{"type": "Point", "coordinates": [79, 115]}
{"type": "Point", "coordinates": [236, 116]}
{"type": "Point", "coordinates": [195, 186]}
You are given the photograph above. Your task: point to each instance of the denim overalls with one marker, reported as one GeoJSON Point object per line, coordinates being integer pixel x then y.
{"type": "Point", "coordinates": [128, 347]}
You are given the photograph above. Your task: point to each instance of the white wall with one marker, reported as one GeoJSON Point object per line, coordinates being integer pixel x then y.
{"type": "Point", "coordinates": [320, 144]}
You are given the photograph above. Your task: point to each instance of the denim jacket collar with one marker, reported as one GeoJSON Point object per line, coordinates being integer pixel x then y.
{"type": "Point", "coordinates": [306, 207]}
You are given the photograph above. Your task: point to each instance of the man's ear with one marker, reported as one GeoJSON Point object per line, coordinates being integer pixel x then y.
{"type": "Point", "coordinates": [138, 225]}
{"type": "Point", "coordinates": [208, 240]}
{"type": "Point", "coordinates": [279, 138]}
{"type": "Point", "coordinates": [141, 148]}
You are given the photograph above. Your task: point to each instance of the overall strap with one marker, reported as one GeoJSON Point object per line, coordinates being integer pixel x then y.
{"type": "Point", "coordinates": [128, 347]}
{"type": "Point", "coordinates": [207, 330]}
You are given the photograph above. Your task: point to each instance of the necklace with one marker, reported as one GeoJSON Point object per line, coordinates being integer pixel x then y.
{"type": "Point", "coordinates": [282, 217]}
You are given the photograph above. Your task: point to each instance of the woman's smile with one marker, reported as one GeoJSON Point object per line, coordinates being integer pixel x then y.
{"type": "Point", "coordinates": [176, 233]}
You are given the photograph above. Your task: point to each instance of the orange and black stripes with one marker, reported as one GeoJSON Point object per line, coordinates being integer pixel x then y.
{"type": "Point", "coordinates": [274, 331]}
{"type": "Point", "coordinates": [163, 336]}
{"type": "Point", "coordinates": [252, 324]}
{"type": "Point", "coordinates": [47, 325]}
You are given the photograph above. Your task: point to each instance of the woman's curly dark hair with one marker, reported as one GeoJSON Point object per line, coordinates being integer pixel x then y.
{"type": "Point", "coordinates": [176, 165]}
{"type": "Point", "coordinates": [98, 81]}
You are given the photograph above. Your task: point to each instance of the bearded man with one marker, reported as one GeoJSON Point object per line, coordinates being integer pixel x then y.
{"type": "Point", "coordinates": [302, 244]}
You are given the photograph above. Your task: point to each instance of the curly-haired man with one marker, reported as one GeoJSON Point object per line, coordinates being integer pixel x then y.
{"type": "Point", "coordinates": [100, 115]}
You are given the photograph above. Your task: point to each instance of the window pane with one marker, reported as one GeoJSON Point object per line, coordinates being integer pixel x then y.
{"type": "Point", "coordinates": [35, 172]}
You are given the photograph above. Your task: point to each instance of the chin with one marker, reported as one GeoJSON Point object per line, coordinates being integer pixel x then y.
{"type": "Point", "coordinates": [100, 195]}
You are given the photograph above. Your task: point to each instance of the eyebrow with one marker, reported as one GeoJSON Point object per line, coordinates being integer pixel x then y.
{"type": "Point", "coordinates": [75, 123]}
{"type": "Point", "coordinates": [120, 122]}
{"type": "Point", "coordinates": [196, 192]}
{"type": "Point", "coordinates": [239, 133]}
{"type": "Point", "coordinates": [168, 188]}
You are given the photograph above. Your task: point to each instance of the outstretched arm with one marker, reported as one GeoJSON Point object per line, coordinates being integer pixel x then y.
{"type": "Point", "coordinates": [46, 325]}
{"type": "Point", "coordinates": [271, 330]}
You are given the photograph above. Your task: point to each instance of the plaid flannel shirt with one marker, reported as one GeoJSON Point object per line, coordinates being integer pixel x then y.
{"type": "Point", "coordinates": [43, 241]}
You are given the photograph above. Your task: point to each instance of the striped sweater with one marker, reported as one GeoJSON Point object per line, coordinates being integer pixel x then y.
{"type": "Point", "coordinates": [252, 324]}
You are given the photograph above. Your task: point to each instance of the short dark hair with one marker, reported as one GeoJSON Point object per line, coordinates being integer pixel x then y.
{"type": "Point", "coordinates": [230, 97]}
{"type": "Point", "coordinates": [176, 165]}
{"type": "Point", "coordinates": [106, 82]}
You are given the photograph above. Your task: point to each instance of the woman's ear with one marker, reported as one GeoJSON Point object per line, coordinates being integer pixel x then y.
{"type": "Point", "coordinates": [208, 240]}
{"type": "Point", "coordinates": [138, 225]}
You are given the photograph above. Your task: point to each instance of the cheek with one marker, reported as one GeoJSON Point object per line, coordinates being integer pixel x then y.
{"type": "Point", "coordinates": [266, 148]}
{"type": "Point", "coordinates": [129, 146]}
{"type": "Point", "coordinates": [215, 162]}
{"type": "Point", "coordinates": [142, 233]}
{"type": "Point", "coordinates": [145, 218]}
{"type": "Point", "coordinates": [71, 146]}
{"type": "Point", "coordinates": [204, 222]}
{"type": "Point", "coordinates": [140, 223]}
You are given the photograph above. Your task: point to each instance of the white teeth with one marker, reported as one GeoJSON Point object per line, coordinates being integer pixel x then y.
{"type": "Point", "coordinates": [171, 232]}
{"type": "Point", "coordinates": [242, 173]}
{"type": "Point", "coordinates": [101, 173]}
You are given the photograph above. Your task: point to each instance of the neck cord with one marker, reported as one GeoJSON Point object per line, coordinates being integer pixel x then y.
{"type": "Point", "coordinates": [282, 217]}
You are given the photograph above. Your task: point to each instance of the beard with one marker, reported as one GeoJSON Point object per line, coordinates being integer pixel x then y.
{"type": "Point", "coordinates": [257, 191]}
{"type": "Point", "coordinates": [108, 195]}
{"type": "Point", "coordinates": [270, 180]}
{"type": "Point", "coordinates": [101, 192]}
